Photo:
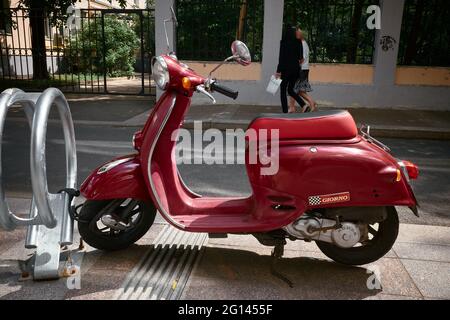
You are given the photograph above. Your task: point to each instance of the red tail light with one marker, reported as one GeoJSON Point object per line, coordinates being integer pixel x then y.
{"type": "Point", "coordinates": [413, 170]}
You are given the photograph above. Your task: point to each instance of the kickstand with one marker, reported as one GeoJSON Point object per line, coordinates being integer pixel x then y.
{"type": "Point", "coordinates": [277, 253]}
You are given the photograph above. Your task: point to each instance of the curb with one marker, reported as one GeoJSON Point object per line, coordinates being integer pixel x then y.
{"type": "Point", "coordinates": [410, 132]}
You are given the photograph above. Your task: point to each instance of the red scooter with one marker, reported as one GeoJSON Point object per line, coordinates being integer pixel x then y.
{"type": "Point", "coordinates": [334, 185]}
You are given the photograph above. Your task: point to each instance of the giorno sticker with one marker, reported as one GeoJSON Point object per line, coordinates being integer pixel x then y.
{"type": "Point", "coordinates": [329, 199]}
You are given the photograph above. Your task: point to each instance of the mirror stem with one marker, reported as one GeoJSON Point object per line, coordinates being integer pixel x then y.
{"type": "Point", "coordinates": [167, 36]}
{"type": "Point", "coordinates": [221, 64]}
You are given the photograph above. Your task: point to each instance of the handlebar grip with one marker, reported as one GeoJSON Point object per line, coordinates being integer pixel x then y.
{"type": "Point", "coordinates": [224, 90]}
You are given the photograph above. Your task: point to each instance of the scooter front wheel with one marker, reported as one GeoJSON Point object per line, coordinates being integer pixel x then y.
{"type": "Point", "coordinates": [382, 238]}
{"type": "Point", "coordinates": [115, 224]}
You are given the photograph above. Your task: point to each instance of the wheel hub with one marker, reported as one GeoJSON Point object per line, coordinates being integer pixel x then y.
{"type": "Point", "coordinates": [113, 223]}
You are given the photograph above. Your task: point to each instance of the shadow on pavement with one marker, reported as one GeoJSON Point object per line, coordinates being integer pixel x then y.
{"type": "Point", "coordinates": [221, 274]}
{"type": "Point", "coordinates": [238, 274]}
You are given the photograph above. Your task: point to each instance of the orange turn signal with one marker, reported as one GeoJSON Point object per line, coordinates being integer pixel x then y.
{"type": "Point", "coordinates": [399, 176]}
{"type": "Point", "coordinates": [186, 83]}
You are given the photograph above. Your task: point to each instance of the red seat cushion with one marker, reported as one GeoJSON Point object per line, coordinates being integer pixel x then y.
{"type": "Point", "coordinates": [322, 125]}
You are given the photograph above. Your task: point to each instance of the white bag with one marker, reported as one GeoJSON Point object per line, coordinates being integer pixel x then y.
{"type": "Point", "coordinates": [273, 85]}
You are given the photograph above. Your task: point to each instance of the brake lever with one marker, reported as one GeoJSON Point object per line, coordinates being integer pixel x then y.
{"type": "Point", "coordinates": [201, 89]}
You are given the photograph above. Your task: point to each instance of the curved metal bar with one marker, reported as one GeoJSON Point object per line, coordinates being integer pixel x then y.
{"type": "Point", "coordinates": [37, 155]}
{"type": "Point", "coordinates": [6, 221]}
{"type": "Point", "coordinates": [8, 98]}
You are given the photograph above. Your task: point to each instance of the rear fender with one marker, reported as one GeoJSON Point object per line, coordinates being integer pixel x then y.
{"type": "Point", "coordinates": [120, 178]}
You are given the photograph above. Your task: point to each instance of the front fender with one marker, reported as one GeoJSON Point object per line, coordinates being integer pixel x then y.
{"type": "Point", "coordinates": [120, 178]}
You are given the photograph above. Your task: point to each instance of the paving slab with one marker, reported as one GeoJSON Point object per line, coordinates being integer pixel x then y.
{"type": "Point", "coordinates": [432, 278]}
{"type": "Point", "coordinates": [226, 273]}
{"type": "Point", "coordinates": [425, 252]}
{"type": "Point", "coordinates": [413, 233]}
{"type": "Point", "coordinates": [238, 267]}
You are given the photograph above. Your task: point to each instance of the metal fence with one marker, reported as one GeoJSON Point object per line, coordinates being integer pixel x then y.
{"type": "Point", "coordinates": [335, 30]}
{"type": "Point", "coordinates": [207, 28]}
{"type": "Point", "coordinates": [425, 37]}
{"type": "Point", "coordinates": [109, 51]}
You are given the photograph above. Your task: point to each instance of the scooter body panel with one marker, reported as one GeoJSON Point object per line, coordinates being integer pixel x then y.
{"type": "Point", "coordinates": [120, 178]}
{"type": "Point", "coordinates": [355, 173]}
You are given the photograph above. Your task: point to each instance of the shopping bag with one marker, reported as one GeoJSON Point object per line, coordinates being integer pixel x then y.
{"type": "Point", "coordinates": [273, 85]}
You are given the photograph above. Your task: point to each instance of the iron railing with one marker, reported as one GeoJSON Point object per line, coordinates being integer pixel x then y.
{"type": "Point", "coordinates": [336, 30]}
{"type": "Point", "coordinates": [207, 28]}
{"type": "Point", "coordinates": [425, 36]}
{"type": "Point", "coordinates": [75, 59]}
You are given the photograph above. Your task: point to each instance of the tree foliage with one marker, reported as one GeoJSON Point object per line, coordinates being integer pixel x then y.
{"type": "Point", "coordinates": [206, 29]}
{"type": "Point", "coordinates": [425, 39]}
{"type": "Point", "coordinates": [55, 12]}
{"type": "Point", "coordinates": [89, 52]}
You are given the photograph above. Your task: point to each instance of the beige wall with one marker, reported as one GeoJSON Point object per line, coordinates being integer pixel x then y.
{"type": "Point", "coordinates": [227, 71]}
{"type": "Point", "coordinates": [341, 73]}
{"type": "Point", "coordinates": [333, 73]}
{"type": "Point", "coordinates": [320, 73]}
{"type": "Point", "coordinates": [423, 76]}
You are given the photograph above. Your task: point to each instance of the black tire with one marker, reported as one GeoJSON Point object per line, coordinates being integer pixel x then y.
{"type": "Point", "coordinates": [110, 241]}
{"type": "Point", "coordinates": [375, 249]}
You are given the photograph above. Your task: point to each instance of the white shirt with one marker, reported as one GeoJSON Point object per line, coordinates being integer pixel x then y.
{"type": "Point", "coordinates": [305, 64]}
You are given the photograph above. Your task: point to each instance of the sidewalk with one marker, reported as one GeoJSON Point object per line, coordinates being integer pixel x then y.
{"type": "Point", "coordinates": [237, 267]}
{"type": "Point", "coordinates": [418, 267]}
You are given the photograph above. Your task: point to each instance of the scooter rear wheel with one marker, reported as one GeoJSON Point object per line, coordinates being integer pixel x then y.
{"type": "Point", "coordinates": [382, 241]}
{"type": "Point", "coordinates": [139, 218]}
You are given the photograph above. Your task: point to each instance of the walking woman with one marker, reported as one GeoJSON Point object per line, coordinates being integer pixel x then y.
{"type": "Point", "coordinates": [302, 86]}
{"type": "Point", "coordinates": [291, 55]}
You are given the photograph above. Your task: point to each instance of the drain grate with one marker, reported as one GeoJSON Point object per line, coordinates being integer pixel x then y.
{"type": "Point", "coordinates": [164, 270]}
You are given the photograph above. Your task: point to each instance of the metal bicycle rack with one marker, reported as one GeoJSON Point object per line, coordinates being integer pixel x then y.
{"type": "Point", "coordinates": [49, 223]}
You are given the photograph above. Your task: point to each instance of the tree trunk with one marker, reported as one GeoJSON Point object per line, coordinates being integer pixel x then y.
{"type": "Point", "coordinates": [352, 47]}
{"type": "Point", "coordinates": [411, 48]}
{"type": "Point", "coordinates": [37, 25]}
{"type": "Point", "coordinates": [242, 16]}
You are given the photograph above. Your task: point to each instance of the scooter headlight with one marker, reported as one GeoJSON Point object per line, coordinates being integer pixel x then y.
{"type": "Point", "coordinates": [160, 72]}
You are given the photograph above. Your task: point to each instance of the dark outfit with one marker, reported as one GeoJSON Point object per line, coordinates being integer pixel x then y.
{"type": "Point", "coordinates": [291, 52]}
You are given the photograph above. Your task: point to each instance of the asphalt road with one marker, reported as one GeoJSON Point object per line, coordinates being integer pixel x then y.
{"type": "Point", "coordinates": [96, 145]}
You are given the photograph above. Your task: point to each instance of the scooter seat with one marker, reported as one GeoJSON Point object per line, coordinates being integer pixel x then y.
{"type": "Point", "coordinates": [322, 125]}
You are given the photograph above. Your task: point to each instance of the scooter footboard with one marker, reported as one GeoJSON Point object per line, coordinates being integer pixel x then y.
{"type": "Point", "coordinates": [120, 178]}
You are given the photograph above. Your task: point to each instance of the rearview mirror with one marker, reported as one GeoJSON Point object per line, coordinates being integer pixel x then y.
{"type": "Point", "coordinates": [241, 53]}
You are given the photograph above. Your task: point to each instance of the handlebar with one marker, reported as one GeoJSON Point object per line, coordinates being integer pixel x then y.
{"type": "Point", "coordinates": [224, 90]}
